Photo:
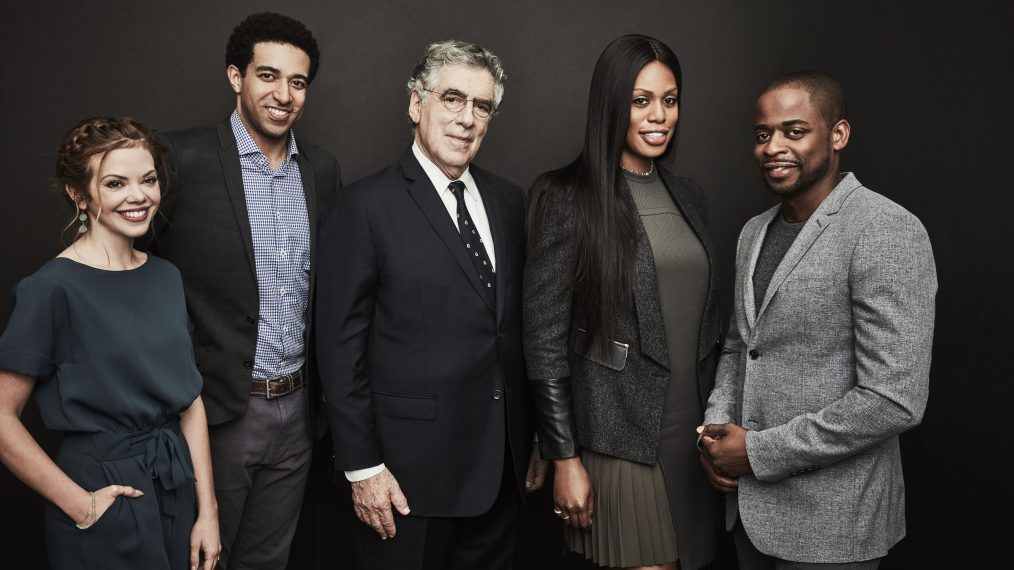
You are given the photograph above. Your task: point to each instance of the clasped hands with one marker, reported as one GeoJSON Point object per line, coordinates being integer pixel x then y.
{"type": "Point", "coordinates": [723, 455]}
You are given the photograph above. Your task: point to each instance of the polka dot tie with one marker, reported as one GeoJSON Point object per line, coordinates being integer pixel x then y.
{"type": "Point", "coordinates": [473, 242]}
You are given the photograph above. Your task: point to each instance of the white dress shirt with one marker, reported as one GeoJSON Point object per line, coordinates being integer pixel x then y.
{"type": "Point", "coordinates": [473, 201]}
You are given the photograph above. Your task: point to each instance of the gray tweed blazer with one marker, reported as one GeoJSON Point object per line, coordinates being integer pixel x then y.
{"type": "Point", "coordinates": [617, 397]}
{"type": "Point", "coordinates": [833, 366]}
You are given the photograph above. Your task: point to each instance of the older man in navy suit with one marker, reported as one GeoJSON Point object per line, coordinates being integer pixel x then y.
{"type": "Point", "coordinates": [420, 337]}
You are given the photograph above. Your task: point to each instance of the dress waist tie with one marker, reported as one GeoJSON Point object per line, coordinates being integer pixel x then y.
{"type": "Point", "coordinates": [161, 450]}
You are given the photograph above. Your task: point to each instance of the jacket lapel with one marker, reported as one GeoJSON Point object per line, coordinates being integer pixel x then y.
{"type": "Point", "coordinates": [681, 196]}
{"type": "Point", "coordinates": [650, 324]}
{"type": "Point", "coordinates": [497, 222]}
{"type": "Point", "coordinates": [229, 157]}
{"type": "Point", "coordinates": [308, 180]}
{"type": "Point", "coordinates": [425, 196]}
{"type": "Point", "coordinates": [746, 282]}
{"type": "Point", "coordinates": [815, 226]}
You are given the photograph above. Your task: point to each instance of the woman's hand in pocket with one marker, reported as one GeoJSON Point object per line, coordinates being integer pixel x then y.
{"type": "Point", "coordinates": [104, 498]}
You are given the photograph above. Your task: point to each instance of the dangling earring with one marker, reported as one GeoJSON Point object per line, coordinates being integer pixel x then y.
{"type": "Point", "coordinates": [83, 218]}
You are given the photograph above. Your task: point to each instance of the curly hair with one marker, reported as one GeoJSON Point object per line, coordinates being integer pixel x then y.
{"type": "Point", "coordinates": [269, 27]}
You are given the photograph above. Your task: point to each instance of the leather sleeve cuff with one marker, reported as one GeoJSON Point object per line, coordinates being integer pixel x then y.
{"type": "Point", "coordinates": [556, 417]}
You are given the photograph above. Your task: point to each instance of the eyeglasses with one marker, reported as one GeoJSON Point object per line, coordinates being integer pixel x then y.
{"type": "Point", "coordinates": [454, 101]}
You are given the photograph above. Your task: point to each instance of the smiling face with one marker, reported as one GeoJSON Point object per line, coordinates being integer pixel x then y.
{"type": "Point", "coordinates": [271, 91]}
{"type": "Point", "coordinates": [123, 194]}
{"type": "Point", "coordinates": [653, 115]}
{"type": "Point", "coordinates": [451, 140]}
{"type": "Point", "coordinates": [793, 144]}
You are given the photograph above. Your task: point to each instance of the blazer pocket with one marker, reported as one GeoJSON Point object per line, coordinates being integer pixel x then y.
{"type": "Point", "coordinates": [613, 357]}
{"type": "Point", "coordinates": [410, 407]}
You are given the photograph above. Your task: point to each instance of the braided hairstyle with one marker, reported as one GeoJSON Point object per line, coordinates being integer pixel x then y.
{"type": "Point", "coordinates": [97, 136]}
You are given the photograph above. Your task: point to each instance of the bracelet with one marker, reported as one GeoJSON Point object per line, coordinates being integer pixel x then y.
{"type": "Point", "coordinates": [90, 519]}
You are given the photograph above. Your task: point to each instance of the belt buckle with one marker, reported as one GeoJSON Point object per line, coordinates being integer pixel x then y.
{"type": "Point", "coordinates": [267, 389]}
{"type": "Point", "coordinates": [286, 386]}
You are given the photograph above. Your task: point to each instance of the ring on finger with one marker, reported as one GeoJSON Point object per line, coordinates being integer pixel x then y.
{"type": "Point", "coordinates": [557, 511]}
{"type": "Point", "coordinates": [565, 517]}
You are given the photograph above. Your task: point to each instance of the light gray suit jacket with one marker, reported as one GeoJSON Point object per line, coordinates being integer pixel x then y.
{"type": "Point", "coordinates": [833, 366]}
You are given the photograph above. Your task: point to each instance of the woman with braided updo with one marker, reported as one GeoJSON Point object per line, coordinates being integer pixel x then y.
{"type": "Point", "coordinates": [100, 334]}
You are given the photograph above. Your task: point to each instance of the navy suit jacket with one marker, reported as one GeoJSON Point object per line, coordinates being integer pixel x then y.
{"type": "Point", "coordinates": [420, 370]}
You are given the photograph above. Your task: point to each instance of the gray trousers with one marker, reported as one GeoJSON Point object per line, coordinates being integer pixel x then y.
{"type": "Point", "coordinates": [752, 559]}
{"type": "Point", "coordinates": [261, 461]}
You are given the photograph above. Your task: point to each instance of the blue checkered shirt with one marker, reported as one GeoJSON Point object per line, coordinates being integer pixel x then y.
{"type": "Point", "coordinates": [276, 206]}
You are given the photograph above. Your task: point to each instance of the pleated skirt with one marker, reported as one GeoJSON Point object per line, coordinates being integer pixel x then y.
{"type": "Point", "coordinates": [632, 524]}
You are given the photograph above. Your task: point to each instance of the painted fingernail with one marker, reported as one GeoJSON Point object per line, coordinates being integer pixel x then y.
{"type": "Point", "coordinates": [700, 429]}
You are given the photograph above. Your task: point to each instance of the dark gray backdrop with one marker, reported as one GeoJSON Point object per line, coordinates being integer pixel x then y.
{"type": "Point", "coordinates": [929, 92]}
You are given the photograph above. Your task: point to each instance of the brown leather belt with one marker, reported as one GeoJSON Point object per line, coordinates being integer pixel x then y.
{"type": "Point", "coordinates": [277, 387]}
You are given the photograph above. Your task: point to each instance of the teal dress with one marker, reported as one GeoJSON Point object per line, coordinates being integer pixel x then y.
{"type": "Point", "coordinates": [112, 354]}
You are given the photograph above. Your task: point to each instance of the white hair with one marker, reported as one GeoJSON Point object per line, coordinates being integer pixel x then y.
{"type": "Point", "coordinates": [455, 52]}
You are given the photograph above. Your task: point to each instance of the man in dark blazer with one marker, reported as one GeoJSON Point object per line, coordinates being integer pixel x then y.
{"type": "Point", "coordinates": [241, 224]}
{"type": "Point", "coordinates": [420, 338]}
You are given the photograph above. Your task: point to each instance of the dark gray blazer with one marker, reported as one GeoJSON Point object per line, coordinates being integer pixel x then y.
{"type": "Point", "coordinates": [618, 397]}
{"type": "Point", "coordinates": [205, 231]}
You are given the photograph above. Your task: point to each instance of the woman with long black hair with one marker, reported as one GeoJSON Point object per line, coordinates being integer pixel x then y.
{"type": "Point", "coordinates": [621, 328]}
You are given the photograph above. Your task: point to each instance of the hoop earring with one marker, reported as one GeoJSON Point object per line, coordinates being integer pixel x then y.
{"type": "Point", "coordinates": [83, 218]}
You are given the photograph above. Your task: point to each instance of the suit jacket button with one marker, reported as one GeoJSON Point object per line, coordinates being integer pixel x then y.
{"type": "Point", "coordinates": [251, 319]}
{"type": "Point", "coordinates": [497, 394]}
{"type": "Point", "coordinates": [247, 364]}
{"type": "Point", "coordinates": [754, 355]}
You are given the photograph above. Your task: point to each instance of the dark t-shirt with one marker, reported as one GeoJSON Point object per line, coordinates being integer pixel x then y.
{"type": "Point", "coordinates": [111, 349]}
{"type": "Point", "coordinates": [777, 242]}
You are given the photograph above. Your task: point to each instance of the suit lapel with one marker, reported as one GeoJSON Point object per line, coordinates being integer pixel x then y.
{"type": "Point", "coordinates": [308, 181]}
{"type": "Point", "coordinates": [650, 324]}
{"type": "Point", "coordinates": [681, 195]}
{"type": "Point", "coordinates": [425, 196]}
{"type": "Point", "coordinates": [498, 224]}
{"type": "Point", "coordinates": [818, 222]}
{"type": "Point", "coordinates": [310, 193]}
{"type": "Point", "coordinates": [809, 234]}
{"type": "Point", "coordinates": [229, 157]}
{"type": "Point", "coordinates": [746, 285]}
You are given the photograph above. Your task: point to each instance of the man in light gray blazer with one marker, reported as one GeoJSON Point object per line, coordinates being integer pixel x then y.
{"type": "Point", "coordinates": [828, 353]}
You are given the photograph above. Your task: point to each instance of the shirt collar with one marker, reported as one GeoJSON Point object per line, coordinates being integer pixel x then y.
{"type": "Point", "coordinates": [245, 143]}
{"type": "Point", "coordinates": [439, 179]}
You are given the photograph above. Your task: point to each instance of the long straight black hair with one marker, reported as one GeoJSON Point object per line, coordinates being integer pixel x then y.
{"type": "Point", "coordinates": [606, 230]}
